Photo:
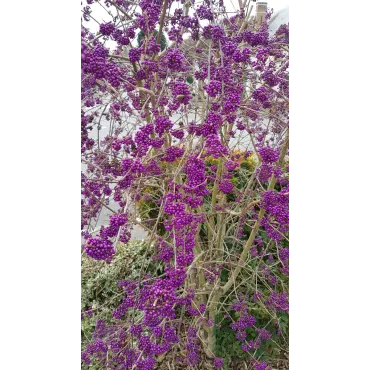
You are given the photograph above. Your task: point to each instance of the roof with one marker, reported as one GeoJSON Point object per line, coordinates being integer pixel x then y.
{"type": "Point", "coordinates": [279, 18]}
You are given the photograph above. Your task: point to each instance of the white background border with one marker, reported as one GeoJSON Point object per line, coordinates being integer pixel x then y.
{"type": "Point", "coordinates": [40, 185]}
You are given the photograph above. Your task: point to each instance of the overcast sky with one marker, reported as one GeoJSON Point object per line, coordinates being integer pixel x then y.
{"type": "Point", "coordinates": [231, 5]}
{"type": "Point", "coordinates": [276, 4]}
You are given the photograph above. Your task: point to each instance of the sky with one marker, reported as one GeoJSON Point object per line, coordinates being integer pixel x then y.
{"type": "Point", "coordinates": [276, 4]}
{"type": "Point", "coordinates": [101, 15]}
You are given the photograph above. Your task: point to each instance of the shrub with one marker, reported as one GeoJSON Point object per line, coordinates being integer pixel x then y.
{"type": "Point", "coordinates": [100, 291]}
{"type": "Point", "coordinates": [197, 155]}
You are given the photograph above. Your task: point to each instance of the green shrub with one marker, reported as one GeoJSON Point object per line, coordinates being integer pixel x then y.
{"type": "Point", "coordinates": [163, 40]}
{"type": "Point", "coordinates": [100, 293]}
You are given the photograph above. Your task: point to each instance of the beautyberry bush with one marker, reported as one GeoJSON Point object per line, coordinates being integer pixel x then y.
{"type": "Point", "coordinates": [188, 140]}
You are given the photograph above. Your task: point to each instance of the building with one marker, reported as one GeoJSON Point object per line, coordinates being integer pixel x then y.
{"type": "Point", "coordinates": [261, 9]}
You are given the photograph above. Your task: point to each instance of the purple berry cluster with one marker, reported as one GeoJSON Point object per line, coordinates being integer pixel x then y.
{"type": "Point", "coordinates": [162, 124]}
{"type": "Point", "coordinates": [174, 59]}
{"type": "Point", "coordinates": [106, 29]}
{"type": "Point", "coordinates": [213, 88]}
{"type": "Point", "coordinates": [134, 55]}
{"type": "Point", "coordinates": [226, 186]}
{"type": "Point", "coordinates": [269, 155]}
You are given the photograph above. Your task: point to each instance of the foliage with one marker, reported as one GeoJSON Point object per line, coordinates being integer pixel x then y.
{"type": "Point", "coordinates": [163, 40]}
{"type": "Point", "coordinates": [100, 293]}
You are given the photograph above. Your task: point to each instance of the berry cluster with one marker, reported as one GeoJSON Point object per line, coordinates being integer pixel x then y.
{"type": "Point", "coordinates": [213, 88]}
